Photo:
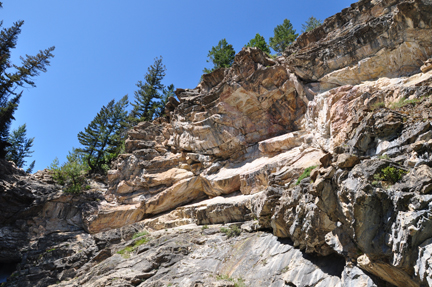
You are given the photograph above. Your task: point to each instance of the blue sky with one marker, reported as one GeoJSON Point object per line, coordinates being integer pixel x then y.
{"type": "Point", "coordinates": [103, 47]}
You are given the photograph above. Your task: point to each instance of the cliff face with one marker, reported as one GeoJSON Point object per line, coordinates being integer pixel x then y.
{"type": "Point", "coordinates": [352, 97]}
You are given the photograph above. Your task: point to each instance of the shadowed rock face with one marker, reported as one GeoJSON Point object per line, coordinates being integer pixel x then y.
{"type": "Point", "coordinates": [350, 101]}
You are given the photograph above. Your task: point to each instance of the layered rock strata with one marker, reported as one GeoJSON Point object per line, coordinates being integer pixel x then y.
{"type": "Point", "coordinates": [349, 101]}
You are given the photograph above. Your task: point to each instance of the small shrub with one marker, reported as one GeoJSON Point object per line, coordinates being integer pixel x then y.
{"type": "Point", "coordinates": [204, 227]}
{"type": "Point", "coordinates": [390, 174]}
{"type": "Point", "coordinates": [139, 234]}
{"type": "Point", "coordinates": [232, 231]}
{"type": "Point", "coordinates": [306, 173]}
{"type": "Point", "coordinates": [141, 242]}
{"type": "Point", "coordinates": [239, 282]}
{"type": "Point", "coordinates": [403, 102]}
{"type": "Point", "coordinates": [72, 173]}
{"type": "Point", "coordinates": [384, 156]}
{"type": "Point", "coordinates": [377, 105]}
{"type": "Point", "coordinates": [125, 252]}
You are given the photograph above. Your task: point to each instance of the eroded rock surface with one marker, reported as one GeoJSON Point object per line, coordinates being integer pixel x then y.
{"type": "Point", "coordinates": [322, 158]}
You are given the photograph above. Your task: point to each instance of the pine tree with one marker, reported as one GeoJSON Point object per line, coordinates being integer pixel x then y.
{"type": "Point", "coordinates": [166, 94]}
{"type": "Point", "coordinates": [19, 147]}
{"type": "Point", "coordinates": [284, 35]}
{"type": "Point", "coordinates": [259, 42]}
{"type": "Point", "coordinates": [103, 137]}
{"type": "Point", "coordinates": [222, 56]}
{"type": "Point", "coordinates": [146, 98]}
{"type": "Point", "coordinates": [13, 76]}
{"type": "Point", "coordinates": [311, 24]}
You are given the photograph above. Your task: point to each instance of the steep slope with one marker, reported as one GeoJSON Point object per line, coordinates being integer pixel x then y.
{"type": "Point", "coordinates": [351, 98]}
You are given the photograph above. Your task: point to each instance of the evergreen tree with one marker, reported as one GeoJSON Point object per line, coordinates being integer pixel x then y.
{"type": "Point", "coordinates": [284, 35]}
{"type": "Point", "coordinates": [103, 137]}
{"type": "Point", "coordinates": [221, 55]}
{"type": "Point", "coordinates": [14, 76]}
{"type": "Point", "coordinates": [166, 94]}
{"type": "Point", "coordinates": [146, 98]}
{"type": "Point", "coordinates": [19, 147]}
{"type": "Point", "coordinates": [259, 42]}
{"type": "Point", "coordinates": [72, 173]}
{"type": "Point", "coordinates": [311, 24]}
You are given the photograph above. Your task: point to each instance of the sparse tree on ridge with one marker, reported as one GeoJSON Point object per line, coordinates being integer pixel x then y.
{"type": "Point", "coordinates": [103, 137]}
{"type": "Point", "coordinates": [311, 24]}
{"type": "Point", "coordinates": [147, 98]}
{"type": "Point", "coordinates": [20, 147]}
{"type": "Point", "coordinates": [284, 35]}
{"type": "Point", "coordinates": [166, 94]}
{"type": "Point", "coordinates": [13, 77]}
{"type": "Point", "coordinates": [221, 55]}
{"type": "Point", "coordinates": [260, 43]}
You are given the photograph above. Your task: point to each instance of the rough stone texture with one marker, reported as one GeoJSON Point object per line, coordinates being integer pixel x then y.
{"type": "Point", "coordinates": [347, 97]}
{"type": "Point", "coordinates": [369, 40]}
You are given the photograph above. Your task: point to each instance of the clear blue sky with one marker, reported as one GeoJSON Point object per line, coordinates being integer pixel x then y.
{"type": "Point", "coordinates": [103, 47]}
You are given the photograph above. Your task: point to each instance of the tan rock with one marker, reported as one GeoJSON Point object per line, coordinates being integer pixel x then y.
{"type": "Point", "coordinates": [427, 66]}
{"type": "Point", "coordinates": [346, 160]}
{"type": "Point", "coordinates": [386, 272]}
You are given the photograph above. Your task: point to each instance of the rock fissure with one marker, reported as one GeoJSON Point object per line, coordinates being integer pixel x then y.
{"type": "Point", "coordinates": [215, 186]}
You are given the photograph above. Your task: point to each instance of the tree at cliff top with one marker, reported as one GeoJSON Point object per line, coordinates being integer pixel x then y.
{"type": "Point", "coordinates": [222, 56]}
{"type": "Point", "coordinates": [148, 97]}
{"type": "Point", "coordinates": [20, 147]}
{"type": "Point", "coordinates": [284, 35]}
{"type": "Point", "coordinates": [260, 43]}
{"type": "Point", "coordinates": [311, 24]}
{"type": "Point", "coordinates": [166, 94]}
{"type": "Point", "coordinates": [14, 76]}
{"type": "Point", "coordinates": [103, 138]}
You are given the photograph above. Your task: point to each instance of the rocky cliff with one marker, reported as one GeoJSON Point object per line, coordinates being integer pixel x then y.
{"type": "Point", "coordinates": [218, 193]}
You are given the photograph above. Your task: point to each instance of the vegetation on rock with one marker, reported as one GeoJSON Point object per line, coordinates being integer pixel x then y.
{"type": "Point", "coordinates": [151, 97]}
{"type": "Point", "coordinates": [72, 173]}
{"type": "Point", "coordinates": [232, 231]}
{"type": "Point", "coordinates": [284, 35]}
{"type": "Point", "coordinates": [311, 24]}
{"type": "Point", "coordinates": [103, 138]}
{"type": "Point", "coordinates": [306, 173]}
{"type": "Point", "coordinates": [260, 43]}
{"type": "Point", "coordinates": [20, 147]}
{"type": "Point", "coordinates": [221, 55]}
{"type": "Point", "coordinates": [390, 174]}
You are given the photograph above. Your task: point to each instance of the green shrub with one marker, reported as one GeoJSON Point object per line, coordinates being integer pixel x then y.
{"type": "Point", "coordinates": [204, 227]}
{"type": "Point", "coordinates": [125, 252]}
{"type": "Point", "coordinates": [390, 174]}
{"type": "Point", "coordinates": [239, 282]}
{"type": "Point", "coordinates": [377, 105]}
{"type": "Point", "coordinates": [384, 156]}
{"type": "Point", "coordinates": [403, 102]}
{"type": "Point", "coordinates": [72, 173]}
{"type": "Point", "coordinates": [232, 231]}
{"type": "Point", "coordinates": [306, 173]}
{"type": "Point", "coordinates": [139, 234]}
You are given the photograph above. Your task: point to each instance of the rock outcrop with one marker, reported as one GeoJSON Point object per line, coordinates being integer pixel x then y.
{"type": "Point", "coordinates": [311, 169]}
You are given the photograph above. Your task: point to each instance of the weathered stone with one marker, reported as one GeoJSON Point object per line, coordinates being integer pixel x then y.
{"type": "Point", "coordinates": [347, 160]}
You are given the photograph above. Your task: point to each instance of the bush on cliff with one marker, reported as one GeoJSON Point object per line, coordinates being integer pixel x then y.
{"type": "Point", "coordinates": [71, 174]}
{"type": "Point", "coordinates": [306, 173]}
